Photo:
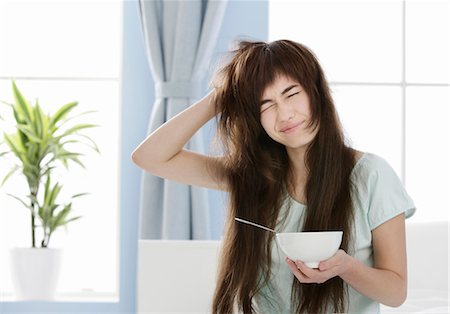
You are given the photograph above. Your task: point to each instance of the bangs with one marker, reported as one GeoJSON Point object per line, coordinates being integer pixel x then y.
{"type": "Point", "coordinates": [259, 64]}
{"type": "Point", "coordinates": [299, 63]}
{"type": "Point", "coordinates": [256, 65]}
{"type": "Point", "coordinates": [294, 61]}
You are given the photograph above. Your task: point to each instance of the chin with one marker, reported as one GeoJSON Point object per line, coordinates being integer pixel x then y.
{"type": "Point", "coordinates": [295, 146]}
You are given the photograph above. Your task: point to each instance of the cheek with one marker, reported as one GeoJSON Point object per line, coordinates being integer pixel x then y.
{"type": "Point", "coordinates": [308, 107]}
{"type": "Point", "coordinates": [266, 123]}
{"type": "Point", "coordinates": [303, 105]}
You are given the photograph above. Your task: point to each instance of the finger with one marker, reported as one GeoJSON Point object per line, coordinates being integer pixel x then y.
{"type": "Point", "coordinates": [309, 272]}
{"type": "Point", "coordinates": [332, 262]}
{"type": "Point", "coordinates": [314, 275]}
{"type": "Point", "coordinates": [297, 273]}
{"type": "Point", "coordinates": [292, 265]}
{"type": "Point", "coordinates": [325, 265]}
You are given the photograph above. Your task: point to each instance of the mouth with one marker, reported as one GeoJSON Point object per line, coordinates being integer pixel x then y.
{"type": "Point", "coordinates": [291, 128]}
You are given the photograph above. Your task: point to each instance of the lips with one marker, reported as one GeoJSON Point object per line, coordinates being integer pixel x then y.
{"type": "Point", "coordinates": [290, 127]}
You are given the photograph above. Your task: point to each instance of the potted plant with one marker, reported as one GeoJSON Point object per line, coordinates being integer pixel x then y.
{"type": "Point", "coordinates": [40, 144]}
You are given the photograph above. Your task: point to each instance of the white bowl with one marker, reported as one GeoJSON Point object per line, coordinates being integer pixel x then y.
{"type": "Point", "coordinates": [310, 247]}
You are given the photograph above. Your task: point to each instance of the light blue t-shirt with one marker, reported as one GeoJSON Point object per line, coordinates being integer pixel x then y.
{"type": "Point", "coordinates": [378, 196]}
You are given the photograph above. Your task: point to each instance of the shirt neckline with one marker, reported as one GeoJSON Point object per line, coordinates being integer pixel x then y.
{"type": "Point", "coordinates": [364, 154]}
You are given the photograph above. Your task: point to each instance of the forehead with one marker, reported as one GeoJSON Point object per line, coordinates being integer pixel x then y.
{"type": "Point", "coordinates": [279, 84]}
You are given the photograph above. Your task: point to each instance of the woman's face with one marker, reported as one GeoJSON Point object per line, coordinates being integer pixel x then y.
{"type": "Point", "coordinates": [285, 113]}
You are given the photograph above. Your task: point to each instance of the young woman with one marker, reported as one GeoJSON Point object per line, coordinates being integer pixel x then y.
{"type": "Point", "coordinates": [286, 165]}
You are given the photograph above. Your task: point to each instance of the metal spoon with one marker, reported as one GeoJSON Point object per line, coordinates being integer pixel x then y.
{"type": "Point", "coordinates": [254, 224]}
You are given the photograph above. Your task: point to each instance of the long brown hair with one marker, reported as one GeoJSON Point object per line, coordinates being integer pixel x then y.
{"type": "Point", "coordinates": [260, 175]}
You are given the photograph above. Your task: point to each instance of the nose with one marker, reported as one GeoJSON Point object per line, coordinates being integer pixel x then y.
{"type": "Point", "coordinates": [286, 112]}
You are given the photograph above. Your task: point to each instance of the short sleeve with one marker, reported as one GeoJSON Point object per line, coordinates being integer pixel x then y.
{"type": "Point", "coordinates": [386, 195]}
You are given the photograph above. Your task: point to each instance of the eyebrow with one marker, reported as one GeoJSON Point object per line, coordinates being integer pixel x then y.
{"type": "Point", "coordinates": [287, 89]}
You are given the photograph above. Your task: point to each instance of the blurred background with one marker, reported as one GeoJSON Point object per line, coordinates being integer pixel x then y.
{"type": "Point", "coordinates": [388, 67]}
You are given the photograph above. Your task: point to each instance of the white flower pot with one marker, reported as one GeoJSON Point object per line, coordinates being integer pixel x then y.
{"type": "Point", "coordinates": [35, 272]}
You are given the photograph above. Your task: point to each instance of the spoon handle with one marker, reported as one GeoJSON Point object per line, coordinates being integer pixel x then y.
{"type": "Point", "coordinates": [254, 224]}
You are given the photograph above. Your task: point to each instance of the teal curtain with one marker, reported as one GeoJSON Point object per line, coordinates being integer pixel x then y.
{"type": "Point", "coordinates": [180, 38]}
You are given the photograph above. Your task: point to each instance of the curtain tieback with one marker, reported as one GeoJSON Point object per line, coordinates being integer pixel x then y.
{"type": "Point", "coordinates": [180, 89]}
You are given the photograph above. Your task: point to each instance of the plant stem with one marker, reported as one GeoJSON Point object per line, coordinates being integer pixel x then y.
{"type": "Point", "coordinates": [46, 239]}
{"type": "Point", "coordinates": [33, 227]}
{"type": "Point", "coordinates": [33, 222]}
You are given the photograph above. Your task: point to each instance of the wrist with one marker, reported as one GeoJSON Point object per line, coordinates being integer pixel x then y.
{"type": "Point", "coordinates": [351, 265]}
{"type": "Point", "coordinates": [206, 106]}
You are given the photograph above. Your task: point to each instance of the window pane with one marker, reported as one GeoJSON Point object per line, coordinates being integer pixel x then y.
{"type": "Point", "coordinates": [57, 38]}
{"type": "Point", "coordinates": [428, 153]}
{"type": "Point", "coordinates": [428, 41]}
{"type": "Point", "coordinates": [372, 117]}
{"type": "Point", "coordinates": [355, 40]}
{"type": "Point", "coordinates": [90, 243]}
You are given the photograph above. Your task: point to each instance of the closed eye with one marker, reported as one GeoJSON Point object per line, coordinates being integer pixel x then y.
{"type": "Point", "coordinates": [266, 106]}
{"type": "Point", "coordinates": [293, 94]}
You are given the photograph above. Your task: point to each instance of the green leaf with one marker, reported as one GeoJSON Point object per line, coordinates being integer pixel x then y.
{"type": "Point", "coordinates": [68, 119]}
{"type": "Point", "coordinates": [54, 193]}
{"type": "Point", "coordinates": [9, 174]}
{"type": "Point", "coordinates": [47, 191]}
{"type": "Point", "coordinates": [42, 214]}
{"type": "Point", "coordinates": [45, 124]}
{"type": "Point", "coordinates": [47, 170]}
{"type": "Point", "coordinates": [45, 147]}
{"type": "Point", "coordinates": [61, 113]}
{"type": "Point", "coordinates": [72, 219]}
{"type": "Point", "coordinates": [31, 153]}
{"type": "Point", "coordinates": [22, 105]}
{"type": "Point", "coordinates": [38, 124]}
{"type": "Point", "coordinates": [20, 200]}
{"type": "Point", "coordinates": [76, 160]}
{"type": "Point", "coordinates": [15, 145]}
{"type": "Point", "coordinates": [7, 103]}
{"type": "Point", "coordinates": [93, 145]}
{"type": "Point", "coordinates": [65, 155]}
{"type": "Point", "coordinates": [33, 174]}
{"type": "Point", "coordinates": [77, 128]}
{"type": "Point", "coordinates": [59, 220]}
{"type": "Point", "coordinates": [30, 133]}
{"type": "Point", "coordinates": [68, 154]}
{"type": "Point", "coordinates": [79, 194]}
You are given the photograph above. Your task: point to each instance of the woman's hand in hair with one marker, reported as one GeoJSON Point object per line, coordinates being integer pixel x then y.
{"type": "Point", "coordinates": [336, 265]}
{"type": "Point", "coordinates": [163, 152]}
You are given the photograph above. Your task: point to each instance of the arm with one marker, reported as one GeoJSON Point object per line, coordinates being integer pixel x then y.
{"type": "Point", "coordinates": [162, 153]}
{"type": "Point", "coordinates": [386, 282]}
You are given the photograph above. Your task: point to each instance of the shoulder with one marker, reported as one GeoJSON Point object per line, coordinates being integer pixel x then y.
{"type": "Point", "coordinates": [372, 166]}
{"type": "Point", "coordinates": [373, 177]}
{"type": "Point", "coordinates": [379, 190]}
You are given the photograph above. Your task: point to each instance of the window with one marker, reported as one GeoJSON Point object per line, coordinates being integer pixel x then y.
{"type": "Point", "coordinates": [390, 81]}
{"type": "Point", "coordinates": [68, 51]}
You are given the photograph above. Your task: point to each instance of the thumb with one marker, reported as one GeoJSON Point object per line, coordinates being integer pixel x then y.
{"type": "Point", "coordinates": [323, 266]}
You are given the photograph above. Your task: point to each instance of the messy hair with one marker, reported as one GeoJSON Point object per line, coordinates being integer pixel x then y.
{"type": "Point", "coordinates": [260, 174]}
